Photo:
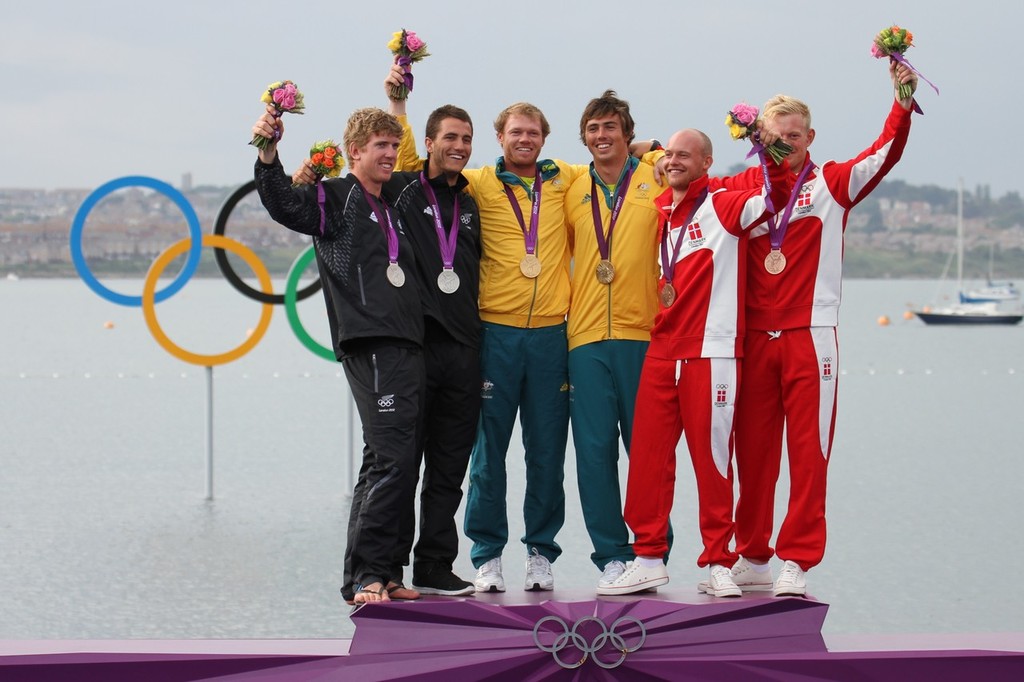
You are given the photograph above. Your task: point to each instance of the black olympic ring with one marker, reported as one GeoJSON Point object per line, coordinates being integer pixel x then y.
{"type": "Point", "coordinates": [229, 272]}
{"type": "Point", "coordinates": [607, 636]}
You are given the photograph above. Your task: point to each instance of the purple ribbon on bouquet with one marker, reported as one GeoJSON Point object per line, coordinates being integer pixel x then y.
{"type": "Point", "coordinates": [897, 57]}
{"type": "Point", "coordinates": [406, 64]}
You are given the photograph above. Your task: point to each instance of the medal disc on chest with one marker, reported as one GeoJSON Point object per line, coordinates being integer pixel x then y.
{"type": "Point", "coordinates": [605, 272]}
{"type": "Point", "coordinates": [448, 281]}
{"type": "Point", "coordinates": [668, 295]}
{"type": "Point", "coordinates": [774, 262]}
{"type": "Point", "coordinates": [530, 266]}
{"type": "Point", "coordinates": [396, 275]}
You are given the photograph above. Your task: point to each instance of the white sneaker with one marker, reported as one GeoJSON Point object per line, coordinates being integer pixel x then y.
{"type": "Point", "coordinates": [636, 578]}
{"type": "Point", "coordinates": [746, 577]}
{"type": "Point", "coordinates": [538, 572]}
{"type": "Point", "coordinates": [720, 583]}
{"type": "Point", "coordinates": [792, 580]}
{"type": "Point", "coordinates": [488, 577]}
{"type": "Point", "coordinates": [612, 570]}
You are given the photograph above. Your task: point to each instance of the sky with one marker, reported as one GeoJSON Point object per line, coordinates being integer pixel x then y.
{"type": "Point", "coordinates": [111, 88]}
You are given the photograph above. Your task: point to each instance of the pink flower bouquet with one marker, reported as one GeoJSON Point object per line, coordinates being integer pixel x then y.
{"type": "Point", "coordinates": [408, 49]}
{"type": "Point", "coordinates": [892, 42]}
{"type": "Point", "coordinates": [285, 98]}
{"type": "Point", "coordinates": [742, 122]}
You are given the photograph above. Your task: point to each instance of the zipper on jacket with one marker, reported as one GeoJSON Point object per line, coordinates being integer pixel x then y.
{"type": "Point", "coordinates": [609, 334]}
{"type": "Point", "coordinates": [376, 373]}
{"type": "Point", "coordinates": [362, 291]}
{"type": "Point", "coordinates": [533, 302]}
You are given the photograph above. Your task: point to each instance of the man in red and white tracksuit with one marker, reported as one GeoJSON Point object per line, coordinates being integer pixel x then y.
{"type": "Point", "coordinates": [792, 367]}
{"type": "Point", "coordinates": [691, 370]}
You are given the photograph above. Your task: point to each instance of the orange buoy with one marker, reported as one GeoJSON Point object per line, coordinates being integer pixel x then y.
{"type": "Point", "coordinates": [908, 314]}
{"type": "Point", "coordinates": [883, 321]}
{"type": "Point", "coordinates": [108, 325]}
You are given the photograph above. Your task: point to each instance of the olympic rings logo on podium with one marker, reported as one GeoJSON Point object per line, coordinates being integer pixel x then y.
{"type": "Point", "coordinates": [606, 638]}
{"type": "Point", "coordinates": [193, 245]}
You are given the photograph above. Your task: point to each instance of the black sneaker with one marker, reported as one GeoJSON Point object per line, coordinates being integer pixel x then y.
{"type": "Point", "coordinates": [441, 581]}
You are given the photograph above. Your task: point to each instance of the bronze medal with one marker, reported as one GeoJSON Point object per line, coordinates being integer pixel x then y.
{"type": "Point", "coordinates": [448, 281]}
{"type": "Point", "coordinates": [605, 272]}
{"type": "Point", "coordinates": [530, 266]}
{"type": "Point", "coordinates": [668, 294]}
{"type": "Point", "coordinates": [774, 262]}
{"type": "Point", "coordinates": [396, 275]}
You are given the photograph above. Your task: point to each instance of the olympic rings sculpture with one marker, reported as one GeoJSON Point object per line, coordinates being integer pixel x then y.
{"type": "Point", "coordinates": [193, 245]}
{"type": "Point", "coordinates": [607, 637]}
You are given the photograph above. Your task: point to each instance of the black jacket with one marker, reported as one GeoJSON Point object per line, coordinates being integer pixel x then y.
{"type": "Point", "coordinates": [352, 256]}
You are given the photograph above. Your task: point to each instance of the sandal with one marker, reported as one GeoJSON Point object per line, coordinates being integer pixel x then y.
{"type": "Point", "coordinates": [381, 593]}
{"type": "Point", "coordinates": [397, 590]}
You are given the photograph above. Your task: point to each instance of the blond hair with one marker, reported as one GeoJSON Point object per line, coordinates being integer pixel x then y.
{"type": "Point", "coordinates": [783, 105]}
{"type": "Point", "coordinates": [522, 109]}
{"type": "Point", "coordinates": [364, 124]}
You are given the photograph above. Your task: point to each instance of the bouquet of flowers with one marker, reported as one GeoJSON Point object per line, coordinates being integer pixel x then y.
{"type": "Point", "coordinates": [327, 159]}
{"type": "Point", "coordinates": [891, 42]}
{"type": "Point", "coordinates": [408, 49]}
{"type": "Point", "coordinates": [742, 120]}
{"type": "Point", "coordinates": [285, 98]}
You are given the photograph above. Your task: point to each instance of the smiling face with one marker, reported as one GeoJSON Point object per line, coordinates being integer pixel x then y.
{"type": "Point", "coordinates": [605, 139]}
{"type": "Point", "coordinates": [450, 148]}
{"type": "Point", "coordinates": [374, 162]}
{"type": "Point", "coordinates": [687, 158]}
{"type": "Point", "coordinates": [521, 141]}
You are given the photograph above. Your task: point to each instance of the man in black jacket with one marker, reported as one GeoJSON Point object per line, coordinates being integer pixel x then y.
{"type": "Point", "coordinates": [376, 317]}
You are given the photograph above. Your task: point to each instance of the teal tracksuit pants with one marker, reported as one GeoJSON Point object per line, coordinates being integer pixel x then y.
{"type": "Point", "coordinates": [524, 371]}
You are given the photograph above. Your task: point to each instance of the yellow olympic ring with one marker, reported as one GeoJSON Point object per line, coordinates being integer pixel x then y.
{"type": "Point", "coordinates": [149, 292]}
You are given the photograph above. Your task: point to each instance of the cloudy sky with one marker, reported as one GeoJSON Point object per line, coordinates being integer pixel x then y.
{"type": "Point", "coordinates": [110, 88]}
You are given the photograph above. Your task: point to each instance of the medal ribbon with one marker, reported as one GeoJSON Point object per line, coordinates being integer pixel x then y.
{"type": "Point", "coordinates": [529, 236]}
{"type": "Point", "coordinates": [620, 196]}
{"type": "Point", "coordinates": [776, 233]}
{"type": "Point", "coordinates": [384, 220]}
{"type": "Point", "coordinates": [320, 200]}
{"type": "Point", "coordinates": [668, 266]}
{"type": "Point", "coordinates": [446, 244]}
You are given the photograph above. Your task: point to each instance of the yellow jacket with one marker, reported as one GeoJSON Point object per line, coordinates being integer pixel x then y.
{"type": "Point", "coordinates": [625, 308]}
{"type": "Point", "coordinates": [506, 296]}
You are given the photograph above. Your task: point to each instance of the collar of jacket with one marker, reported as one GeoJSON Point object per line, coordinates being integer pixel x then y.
{"type": "Point", "coordinates": [631, 162]}
{"type": "Point", "coordinates": [546, 167]}
{"type": "Point", "coordinates": [441, 182]}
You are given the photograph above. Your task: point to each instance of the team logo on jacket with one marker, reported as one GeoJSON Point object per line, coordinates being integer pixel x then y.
{"type": "Point", "coordinates": [486, 389]}
{"type": "Point", "coordinates": [721, 395]}
{"type": "Point", "coordinates": [466, 219]}
{"type": "Point", "coordinates": [586, 200]}
{"type": "Point", "coordinates": [429, 210]}
{"type": "Point", "coordinates": [694, 235]}
{"type": "Point", "coordinates": [386, 403]}
{"type": "Point", "coordinates": [826, 369]}
{"type": "Point", "coordinates": [803, 204]}
{"type": "Point", "coordinates": [643, 190]}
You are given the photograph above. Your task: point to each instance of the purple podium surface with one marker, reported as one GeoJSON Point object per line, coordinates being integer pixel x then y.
{"type": "Point", "coordinates": [535, 636]}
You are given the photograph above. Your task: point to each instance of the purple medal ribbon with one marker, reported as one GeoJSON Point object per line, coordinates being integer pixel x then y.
{"type": "Point", "coordinates": [529, 236]}
{"type": "Point", "coordinates": [384, 220]}
{"type": "Point", "coordinates": [620, 196]}
{"type": "Point", "coordinates": [776, 233]}
{"type": "Point", "coordinates": [446, 244]}
{"type": "Point", "coordinates": [759, 150]}
{"type": "Point", "coordinates": [668, 266]}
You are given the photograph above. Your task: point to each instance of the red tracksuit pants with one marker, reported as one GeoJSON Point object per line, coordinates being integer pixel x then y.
{"type": "Point", "coordinates": [789, 384]}
{"type": "Point", "coordinates": [695, 397]}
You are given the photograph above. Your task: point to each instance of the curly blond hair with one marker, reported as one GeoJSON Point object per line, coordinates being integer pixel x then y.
{"type": "Point", "coordinates": [364, 123]}
{"type": "Point", "coordinates": [782, 105]}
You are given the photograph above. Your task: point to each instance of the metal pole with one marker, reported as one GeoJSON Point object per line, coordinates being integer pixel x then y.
{"type": "Point", "coordinates": [209, 434]}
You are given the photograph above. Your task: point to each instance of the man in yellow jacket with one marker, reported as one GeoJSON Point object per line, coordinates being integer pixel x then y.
{"type": "Point", "coordinates": [613, 227]}
{"type": "Point", "coordinates": [524, 299]}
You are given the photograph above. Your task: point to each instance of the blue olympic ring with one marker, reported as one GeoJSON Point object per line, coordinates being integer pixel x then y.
{"type": "Point", "coordinates": [607, 636]}
{"type": "Point", "coordinates": [194, 230]}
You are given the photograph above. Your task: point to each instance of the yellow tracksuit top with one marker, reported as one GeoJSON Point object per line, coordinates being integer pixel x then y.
{"type": "Point", "coordinates": [625, 308]}
{"type": "Point", "coordinates": [506, 296]}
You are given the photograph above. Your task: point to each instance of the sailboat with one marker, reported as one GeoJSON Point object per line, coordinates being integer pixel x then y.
{"type": "Point", "coordinates": [968, 311]}
{"type": "Point", "coordinates": [993, 291]}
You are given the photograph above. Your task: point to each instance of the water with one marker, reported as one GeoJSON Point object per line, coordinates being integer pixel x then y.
{"type": "Point", "coordinates": [105, 531]}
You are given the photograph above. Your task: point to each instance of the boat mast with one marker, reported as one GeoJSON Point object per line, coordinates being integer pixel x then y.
{"type": "Point", "coordinates": [960, 233]}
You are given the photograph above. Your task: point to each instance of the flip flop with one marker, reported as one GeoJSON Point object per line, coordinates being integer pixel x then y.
{"type": "Point", "coordinates": [398, 591]}
{"type": "Point", "coordinates": [381, 592]}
